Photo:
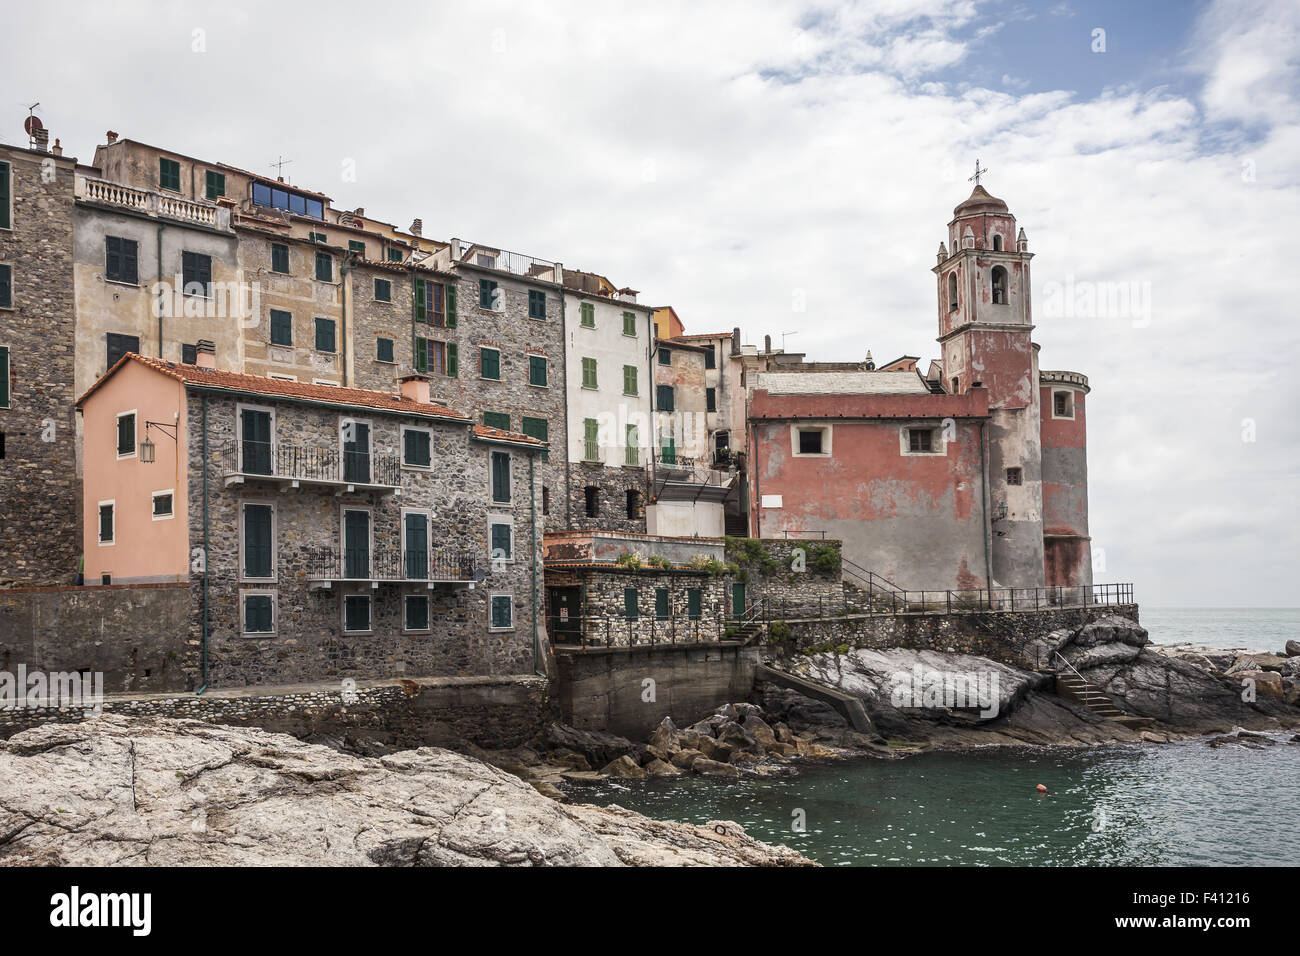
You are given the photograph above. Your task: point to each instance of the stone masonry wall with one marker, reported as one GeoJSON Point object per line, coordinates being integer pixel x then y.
{"type": "Point", "coordinates": [604, 606]}
{"type": "Point", "coordinates": [783, 590]}
{"type": "Point", "coordinates": [613, 484]}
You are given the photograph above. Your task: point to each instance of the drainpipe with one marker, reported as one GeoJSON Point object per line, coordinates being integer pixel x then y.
{"type": "Point", "coordinates": [532, 543]}
{"type": "Point", "coordinates": [564, 372]}
{"type": "Point", "coordinates": [205, 546]}
{"type": "Point", "coordinates": [344, 269]}
{"type": "Point", "coordinates": [156, 305]}
{"type": "Point", "coordinates": [984, 513]}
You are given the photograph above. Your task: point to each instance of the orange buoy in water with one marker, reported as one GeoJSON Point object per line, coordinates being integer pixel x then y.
{"type": "Point", "coordinates": [1041, 788]}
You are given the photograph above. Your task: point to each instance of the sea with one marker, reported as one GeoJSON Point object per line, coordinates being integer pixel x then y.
{"type": "Point", "coordinates": [1153, 804]}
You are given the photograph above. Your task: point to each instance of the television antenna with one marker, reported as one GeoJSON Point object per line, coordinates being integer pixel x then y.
{"type": "Point", "coordinates": [279, 165]}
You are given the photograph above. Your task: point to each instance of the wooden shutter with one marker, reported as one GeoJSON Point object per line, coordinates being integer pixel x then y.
{"type": "Point", "coordinates": [489, 363]}
{"type": "Point", "coordinates": [257, 541]}
{"type": "Point", "coordinates": [113, 257]}
{"type": "Point", "coordinates": [693, 603]}
{"type": "Point", "coordinates": [451, 306]}
{"type": "Point", "coordinates": [629, 604]}
{"type": "Point", "coordinates": [421, 355]}
{"type": "Point", "coordinates": [629, 379]}
{"type": "Point", "coordinates": [130, 261]}
{"type": "Point", "coordinates": [4, 196]}
{"type": "Point", "coordinates": [661, 603]}
{"type": "Point", "coordinates": [453, 364]}
{"type": "Point", "coordinates": [421, 308]}
{"type": "Point", "coordinates": [4, 376]}
{"type": "Point", "coordinates": [500, 476]}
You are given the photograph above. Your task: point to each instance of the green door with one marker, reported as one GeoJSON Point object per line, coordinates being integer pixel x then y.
{"type": "Point", "coordinates": [737, 599]}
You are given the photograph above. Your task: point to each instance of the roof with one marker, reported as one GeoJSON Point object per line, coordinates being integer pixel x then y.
{"type": "Point", "coordinates": [238, 382]}
{"type": "Point", "coordinates": [841, 383]}
{"type": "Point", "coordinates": [705, 335]}
{"type": "Point", "coordinates": [978, 202]}
{"type": "Point", "coordinates": [488, 433]}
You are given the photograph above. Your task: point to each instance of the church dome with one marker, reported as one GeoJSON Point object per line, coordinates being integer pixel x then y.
{"type": "Point", "coordinates": [980, 202]}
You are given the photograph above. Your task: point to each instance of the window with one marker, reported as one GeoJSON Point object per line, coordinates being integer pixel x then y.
{"type": "Point", "coordinates": [920, 440]}
{"type": "Point", "coordinates": [590, 440]}
{"type": "Point", "coordinates": [317, 237]}
{"type": "Point", "coordinates": [6, 194]}
{"type": "Point", "coordinates": [489, 296]}
{"type": "Point", "coordinates": [503, 612]}
{"type": "Point", "coordinates": [999, 285]}
{"type": "Point", "coordinates": [500, 541]}
{"type": "Point", "coordinates": [710, 399]}
{"type": "Point", "coordinates": [497, 420]}
{"type": "Point", "coordinates": [536, 304]}
{"type": "Point", "coordinates": [630, 604]}
{"type": "Point", "coordinates": [383, 290]}
{"type": "Point", "coordinates": [661, 603]}
{"type": "Point", "coordinates": [357, 246]}
{"type": "Point", "coordinates": [259, 612]}
{"type": "Point", "coordinates": [6, 287]}
{"type": "Point", "coordinates": [163, 504]}
{"type": "Point", "coordinates": [258, 542]}
{"type": "Point", "coordinates": [629, 380]}
{"type": "Point", "coordinates": [632, 446]}
{"type": "Point", "coordinates": [119, 345]}
{"type": "Point", "coordinates": [722, 440]}
{"type": "Point", "coordinates": [281, 327]}
{"type": "Point", "coordinates": [956, 385]}
{"type": "Point", "coordinates": [633, 500]}
{"type": "Point", "coordinates": [169, 174]}
{"type": "Point", "coordinates": [501, 476]}
{"type": "Point", "coordinates": [589, 373]}
{"type": "Point", "coordinates": [997, 243]}
{"type": "Point", "coordinates": [324, 334]}
{"type": "Point", "coordinates": [280, 258]}
{"type": "Point", "coordinates": [810, 441]}
{"type": "Point", "coordinates": [106, 522]}
{"type": "Point", "coordinates": [356, 451]}
{"type": "Point", "coordinates": [1015, 476]}
{"type": "Point", "coordinates": [324, 267]}
{"type": "Point", "coordinates": [415, 545]}
{"type": "Point", "coordinates": [215, 184]}
{"type": "Point", "coordinates": [537, 372]}
{"type": "Point", "coordinates": [436, 357]}
{"type": "Point", "coordinates": [356, 543]}
{"type": "Point", "coordinates": [4, 378]}
{"type": "Point", "coordinates": [417, 447]}
{"type": "Point", "coordinates": [546, 500]}
{"type": "Point", "coordinates": [416, 616]}
{"type": "Point", "coordinates": [588, 315]}
{"type": "Point", "coordinates": [126, 435]}
{"type": "Point", "coordinates": [196, 274]}
{"type": "Point", "coordinates": [395, 255]}
{"type": "Point", "coordinates": [428, 298]}
{"type": "Point", "coordinates": [255, 428]}
{"type": "Point", "coordinates": [536, 428]}
{"type": "Point", "coordinates": [952, 291]}
{"type": "Point", "coordinates": [121, 260]}
{"type": "Point", "coordinates": [710, 356]}
{"type": "Point", "coordinates": [668, 452]}
{"type": "Point", "coordinates": [629, 323]}
{"type": "Point", "coordinates": [384, 350]}
{"type": "Point", "coordinates": [276, 196]}
{"type": "Point", "coordinates": [592, 496]}
{"type": "Point", "coordinates": [694, 603]}
{"type": "Point", "coordinates": [489, 363]}
{"type": "Point", "coordinates": [356, 613]}
{"type": "Point", "coordinates": [664, 398]}
{"type": "Point", "coordinates": [1062, 405]}
{"type": "Point", "coordinates": [665, 356]}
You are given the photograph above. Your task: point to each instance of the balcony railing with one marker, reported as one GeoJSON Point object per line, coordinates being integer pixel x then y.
{"type": "Point", "coordinates": [690, 470]}
{"type": "Point", "coordinates": [152, 203]}
{"type": "Point", "coordinates": [489, 257]}
{"type": "Point", "coordinates": [287, 462]}
{"type": "Point", "coordinates": [326, 565]}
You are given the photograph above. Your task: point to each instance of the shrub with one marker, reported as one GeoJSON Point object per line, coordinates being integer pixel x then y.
{"type": "Point", "coordinates": [825, 560]}
{"type": "Point", "coordinates": [628, 559]}
{"type": "Point", "coordinates": [658, 561]}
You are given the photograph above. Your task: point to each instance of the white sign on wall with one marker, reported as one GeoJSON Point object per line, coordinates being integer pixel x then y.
{"type": "Point", "coordinates": [771, 501]}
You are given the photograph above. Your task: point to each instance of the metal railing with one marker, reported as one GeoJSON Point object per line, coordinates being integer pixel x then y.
{"type": "Point", "coordinates": [883, 597]}
{"type": "Point", "coordinates": [329, 465]}
{"type": "Point", "coordinates": [692, 470]}
{"type": "Point", "coordinates": [390, 564]}
{"type": "Point", "coordinates": [489, 257]}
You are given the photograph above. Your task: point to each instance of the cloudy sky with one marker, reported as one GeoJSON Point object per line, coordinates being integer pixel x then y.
{"type": "Point", "coordinates": [789, 167]}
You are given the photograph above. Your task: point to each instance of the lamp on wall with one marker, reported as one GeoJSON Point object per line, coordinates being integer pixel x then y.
{"type": "Point", "coordinates": [148, 450]}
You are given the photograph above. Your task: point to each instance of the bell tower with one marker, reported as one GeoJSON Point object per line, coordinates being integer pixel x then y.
{"type": "Point", "coordinates": [985, 328]}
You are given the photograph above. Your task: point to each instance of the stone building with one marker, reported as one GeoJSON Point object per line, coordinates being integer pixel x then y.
{"type": "Point", "coordinates": [324, 531]}
{"type": "Point", "coordinates": [609, 386]}
{"type": "Point", "coordinates": [959, 478]}
{"type": "Point", "coordinates": [39, 491]}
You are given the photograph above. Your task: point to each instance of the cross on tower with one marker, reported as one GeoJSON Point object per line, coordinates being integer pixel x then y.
{"type": "Point", "coordinates": [978, 173]}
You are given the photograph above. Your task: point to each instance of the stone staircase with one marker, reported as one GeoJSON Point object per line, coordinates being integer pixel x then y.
{"type": "Point", "coordinates": [1071, 686]}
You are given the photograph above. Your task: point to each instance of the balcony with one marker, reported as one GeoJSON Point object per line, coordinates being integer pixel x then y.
{"type": "Point", "coordinates": [489, 257]}
{"type": "Point", "coordinates": [291, 466]}
{"type": "Point", "coordinates": [690, 479]}
{"type": "Point", "coordinates": [327, 566]}
{"type": "Point", "coordinates": [151, 203]}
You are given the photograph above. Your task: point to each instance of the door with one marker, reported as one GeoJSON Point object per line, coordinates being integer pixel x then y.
{"type": "Point", "coordinates": [566, 611]}
{"type": "Point", "coordinates": [416, 558]}
{"type": "Point", "coordinates": [356, 544]}
{"type": "Point", "coordinates": [737, 599]}
{"type": "Point", "coordinates": [255, 442]}
{"type": "Point", "coordinates": [356, 452]}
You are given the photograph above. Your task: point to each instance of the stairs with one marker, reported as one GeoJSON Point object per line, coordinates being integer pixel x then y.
{"type": "Point", "coordinates": [747, 631]}
{"type": "Point", "coordinates": [848, 706]}
{"type": "Point", "coordinates": [1075, 688]}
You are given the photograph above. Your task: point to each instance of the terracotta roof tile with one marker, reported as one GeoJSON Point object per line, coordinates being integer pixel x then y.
{"type": "Point", "coordinates": [496, 434]}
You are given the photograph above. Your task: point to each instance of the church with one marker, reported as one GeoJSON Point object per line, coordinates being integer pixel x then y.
{"type": "Point", "coordinates": [971, 474]}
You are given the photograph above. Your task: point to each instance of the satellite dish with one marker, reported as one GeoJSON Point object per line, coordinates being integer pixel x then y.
{"type": "Point", "coordinates": [32, 124]}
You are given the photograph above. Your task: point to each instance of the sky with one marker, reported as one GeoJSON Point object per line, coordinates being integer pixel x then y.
{"type": "Point", "coordinates": [789, 168]}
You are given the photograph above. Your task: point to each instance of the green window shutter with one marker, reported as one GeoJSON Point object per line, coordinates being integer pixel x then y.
{"type": "Point", "coordinates": [105, 522]}
{"type": "Point", "coordinates": [629, 380]}
{"type": "Point", "coordinates": [536, 304]}
{"type": "Point", "coordinates": [4, 376]}
{"type": "Point", "coordinates": [497, 420]}
{"type": "Point", "coordinates": [417, 297]}
{"type": "Point", "coordinates": [589, 373]}
{"type": "Point", "coordinates": [591, 439]}
{"type": "Point", "coordinates": [536, 428]}
{"type": "Point", "coordinates": [629, 604]}
{"type": "Point", "coordinates": [632, 445]}
{"type": "Point", "coordinates": [710, 399]}
{"type": "Point", "coordinates": [395, 255]}
{"type": "Point", "coordinates": [279, 258]}
{"type": "Point", "coordinates": [281, 327]}
{"type": "Point", "coordinates": [357, 246]}
{"type": "Point", "coordinates": [422, 355]}
{"type": "Point", "coordinates": [324, 267]}
{"type": "Point", "coordinates": [169, 174]}
{"type": "Point", "coordinates": [501, 541]}
{"type": "Point", "coordinates": [670, 452]}
{"type": "Point", "coordinates": [500, 476]}
{"type": "Point", "coordinates": [383, 290]}
{"type": "Point", "coordinates": [451, 306]}
{"type": "Point", "coordinates": [384, 350]}
{"type": "Point", "coordinates": [324, 335]}
{"type": "Point", "coordinates": [665, 356]}
{"type": "Point", "coordinates": [693, 604]}
{"type": "Point", "coordinates": [629, 323]}
{"type": "Point", "coordinates": [417, 612]}
{"type": "Point", "coordinates": [257, 614]}
{"type": "Point", "coordinates": [664, 398]}
{"type": "Point", "coordinates": [452, 362]}
{"type": "Point", "coordinates": [125, 434]}
{"type": "Point", "coordinates": [416, 449]}
{"type": "Point", "coordinates": [536, 370]}
{"type": "Point", "coordinates": [257, 541]}
{"type": "Point", "coordinates": [502, 611]}
{"type": "Point", "coordinates": [6, 287]}
{"type": "Point", "coordinates": [489, 363]}
{"type": "Point", "coordinates": [661, 603]}
{"type": "Point", "coordinates": [5, 194]}
{"type": "Point", "coordinates": [216, 184]}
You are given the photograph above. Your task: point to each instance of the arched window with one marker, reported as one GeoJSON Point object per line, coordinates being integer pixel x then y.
{"type": "Point", "coordinates": [952, 291]}
{"type": "Point", "coordinates": [999, 285]}
{"type": "Point", "coordinates": [997, 243]}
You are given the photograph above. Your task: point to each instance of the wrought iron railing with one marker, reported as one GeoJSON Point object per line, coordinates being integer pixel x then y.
{"type": "Point", "coordinates": [288, 460]}
{"type": "Point", "coordinates": [694, 470]}
{"type": "Point", "coordinates": [391, 564]}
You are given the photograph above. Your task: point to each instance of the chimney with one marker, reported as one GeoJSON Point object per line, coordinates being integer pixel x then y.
{"type": "Point", "coordinates": [415, 388]}
{"type": "Point", "coordinates": [417, 227]}
{"type": "Point", "coordinates": [41, 135]}
{"type": "Point", "coordinates": [111, 136]}
{"type": "Point", "coordinates": [58, 148]}
{"type": "Point", "coordinates": [735, 341]}
{"type": "Point", "coordinates": [359, 212]}
{"type": "Point", "coordinates": [205, 354]}
{"type": "Point", "coordinates": [767, 343]}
